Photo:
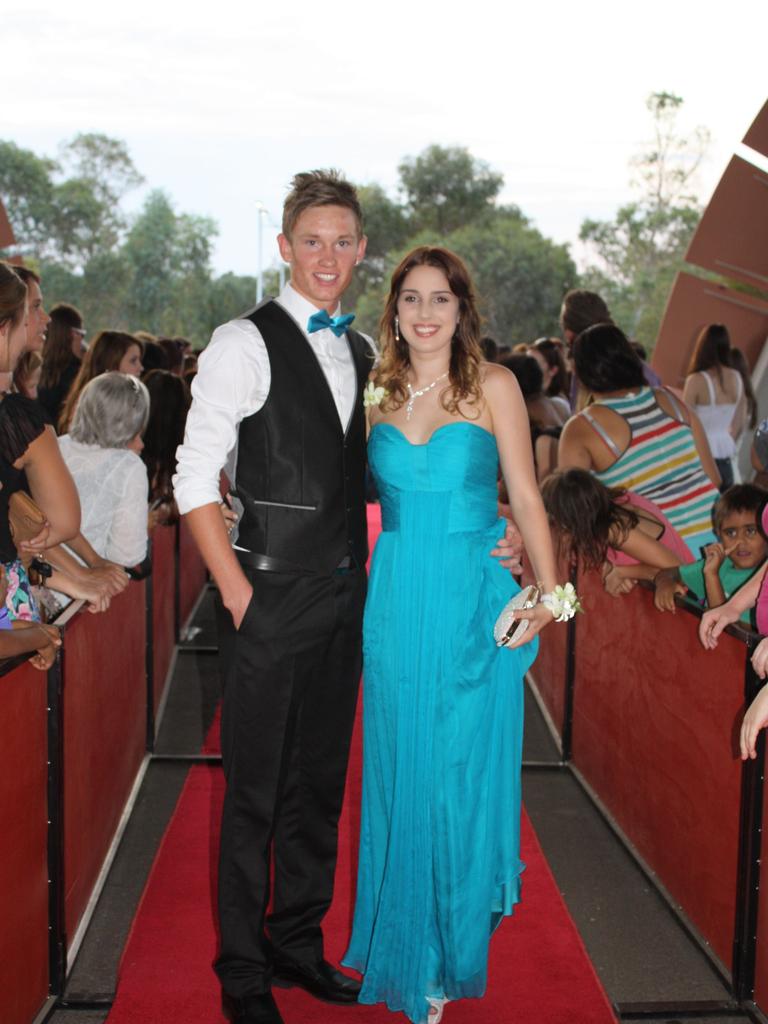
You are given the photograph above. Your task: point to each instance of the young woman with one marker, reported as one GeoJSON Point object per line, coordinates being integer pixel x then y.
{"type": "Point", "coordinates": [639, 438]}
{"type": "Point", "coordinates": [29, 458]}
{"type": "Point", "coordinates": [439, 844]}
{"type": "Point", "coordinates": [715, 392]}
{"type": "Point", "coordinates": [169, 401]}
{"type": "Point", "coordinates": [110, 350]}
{"type": "Point", "coordinates": [62, 355]}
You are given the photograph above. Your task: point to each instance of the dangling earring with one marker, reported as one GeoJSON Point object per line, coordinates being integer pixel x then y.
{"type": "Point", "coordinates": [397, 328]}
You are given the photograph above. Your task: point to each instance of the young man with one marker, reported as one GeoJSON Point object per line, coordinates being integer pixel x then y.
{"type": "Point", "coordinates": [278, 400]}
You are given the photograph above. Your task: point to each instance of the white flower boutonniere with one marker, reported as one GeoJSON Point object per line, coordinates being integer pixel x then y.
{"type": "Point", "coordinates": [563, 602]}
{"type": "Point", "coordinates": [373, 395]}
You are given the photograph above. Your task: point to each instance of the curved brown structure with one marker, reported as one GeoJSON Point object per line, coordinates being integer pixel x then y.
{"type": "Point", "coordinates": [729, 242]}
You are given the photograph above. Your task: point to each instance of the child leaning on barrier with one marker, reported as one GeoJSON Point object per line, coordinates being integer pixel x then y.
{"type": "Point", "coordinates": [729, 563]}
{"type": "Point", "coordinates": [620, 534]}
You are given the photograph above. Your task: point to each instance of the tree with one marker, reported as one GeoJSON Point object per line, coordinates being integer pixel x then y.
{"type": "Point", "coordinates": [67, 217]}
{"type": "Point", "coordinates": [519, 276]}
{"type": "Point", "coordinates": [387, 227]}
{"type": "Point", "coordinates": [446, 188]}
{"type": "Point", "coordinates": [102, 173]}
{"type": "Point", "coordinates": [637, 254]}
{"type": "Point", "coordinates": [169, 259]}
{"type": "Point", "coordinates": [26, 185]}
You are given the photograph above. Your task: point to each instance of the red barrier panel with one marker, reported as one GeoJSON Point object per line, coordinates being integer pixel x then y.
{"type": "Point", "coordinates": [23, 853]}
{"type": "Point", "coordinates": [163, 583]}
{"type": "Point", "coordinates": [654, 727]}
{"type": "Point", "coordinates": [104, 695]}
{"type": "Point", "coordinates": [192, 572]}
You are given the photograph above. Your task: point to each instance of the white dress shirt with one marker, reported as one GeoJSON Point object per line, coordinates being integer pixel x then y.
{"type": "Point", "coordinates": [232, 382]}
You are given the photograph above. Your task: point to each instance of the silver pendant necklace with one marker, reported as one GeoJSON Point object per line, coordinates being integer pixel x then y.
{"type": "Point", "coordinates": [413, 395]}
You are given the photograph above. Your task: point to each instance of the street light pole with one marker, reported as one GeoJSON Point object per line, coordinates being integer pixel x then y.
{"type": "Point", "coordinates": [261, 212]}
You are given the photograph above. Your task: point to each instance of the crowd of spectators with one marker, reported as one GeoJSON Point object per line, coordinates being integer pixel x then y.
{"type": "Point", "coordinates": [630, 471]}
{"type": "Point", "coordinates": [87, 452]}
{"type": "Point", "coordinates": [641, 481]}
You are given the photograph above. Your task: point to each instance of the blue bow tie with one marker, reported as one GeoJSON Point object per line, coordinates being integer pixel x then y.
{"type": "Point", "coordinates": [338, 324]}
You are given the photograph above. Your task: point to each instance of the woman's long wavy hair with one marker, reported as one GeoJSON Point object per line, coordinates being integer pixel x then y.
{"type": "Point", "coordinates": [466, 354]}
{"type": "Point", "coordinates": [712, 350]}
{"type": "Point", "coordinates": [57, 347]}
{"type": "Point", "coordinates": [13, 295]}
{"type": "Point", "coordinates": [169, 401]}
{"type": "Point", "coordinates": [104, 355]}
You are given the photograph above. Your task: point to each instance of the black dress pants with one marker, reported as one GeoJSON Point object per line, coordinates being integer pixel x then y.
{"type": "Point", "coordinates": [290, 676]}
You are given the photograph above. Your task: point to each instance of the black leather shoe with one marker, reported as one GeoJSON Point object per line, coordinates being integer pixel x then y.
{"type": "Point", "coordinates": [320, 979]}
{"type": "Point", "coordinates": [259, 1008]}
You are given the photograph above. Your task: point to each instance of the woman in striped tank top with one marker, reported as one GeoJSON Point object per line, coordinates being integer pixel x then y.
{"type": "Point", "coordinates": [639, 438]}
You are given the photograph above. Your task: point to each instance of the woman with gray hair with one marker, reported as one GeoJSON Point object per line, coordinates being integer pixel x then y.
{"type": "Point", "coordinates": [101, 451]}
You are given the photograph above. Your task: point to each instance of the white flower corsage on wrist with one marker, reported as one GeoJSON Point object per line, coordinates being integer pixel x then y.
{"type": "Point", "coordinates": [563, 602]}
{"type": "Point", "coordinates": [373, 395]}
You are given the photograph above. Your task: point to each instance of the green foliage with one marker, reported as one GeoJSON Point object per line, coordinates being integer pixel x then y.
{"type": "Point", "coordinates": [446, 187]}
{"type": "Point", "coordinates": [520, 276]}
{"type": "Point", "coordinates": [67, 217]}
{"type": "Point", "coordinates": [637, 254]}
{"type": "Point", "coordinates": [154, 271]}
{"type": "Point", "coordinates": [26, 185]}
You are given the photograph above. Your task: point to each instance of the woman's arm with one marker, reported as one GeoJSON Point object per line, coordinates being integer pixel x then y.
{"type": "Point", "coordinates": [26, 637]}
{"type": "Point", "coordinates": [667, 584]}
{"type": "Point", "coordinates": [651, 556]}
{"type": "Point", "coordinates": [739, 416]}
{"type": "Point", "coordinates": [52, 487]}
{"type": "Point", "coordinates": [98, 597]}
{"type": "Point", "coordinates": [112, 575]}
{"type": "Point", "coordinates": [651, 553]}
{"type": "Point", "coordinates": [714, 621]}
{"type": "Point", "coordinates": [105, 582]}
{"type": "Point", "coordinates": [510, 426]}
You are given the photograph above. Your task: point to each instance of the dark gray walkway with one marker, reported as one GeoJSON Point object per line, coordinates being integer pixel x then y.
{"type": "Point", "coordinates": [639, 950]}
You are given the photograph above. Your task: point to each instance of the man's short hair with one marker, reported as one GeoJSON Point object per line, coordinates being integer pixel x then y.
{"type": "Point", "coordinates": [738, 498]}
{"type": "Point", "coordinates": [319, 188]}
{"type": "Point", "coordinates": [582, 309]}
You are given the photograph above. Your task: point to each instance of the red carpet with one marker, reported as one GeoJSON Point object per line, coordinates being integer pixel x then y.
{"type": "Point", "coordinates": [539, 971]}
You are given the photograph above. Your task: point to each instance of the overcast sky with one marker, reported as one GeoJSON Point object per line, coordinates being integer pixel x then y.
{"type": "Point", "coordinates": [221, 103]}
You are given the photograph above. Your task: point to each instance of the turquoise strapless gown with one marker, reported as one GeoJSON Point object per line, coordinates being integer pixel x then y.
{"type": "Point", "coordinates": [443, 716]}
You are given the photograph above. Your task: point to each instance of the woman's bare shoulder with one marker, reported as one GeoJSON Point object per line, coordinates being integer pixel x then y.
{"type": "Point", "coordinates": [495, 379]}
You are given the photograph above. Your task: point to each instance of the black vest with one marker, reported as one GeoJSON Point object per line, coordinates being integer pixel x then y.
{"type": "Point", "coordinates": [300, 476]}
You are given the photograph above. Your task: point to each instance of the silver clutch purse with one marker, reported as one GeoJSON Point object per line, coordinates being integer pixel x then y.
{"type": "Point", "coordinates": [507, 629]}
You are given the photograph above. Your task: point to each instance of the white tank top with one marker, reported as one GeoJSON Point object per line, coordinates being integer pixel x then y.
{"type": "Point", "coordinates": [716, 420]}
